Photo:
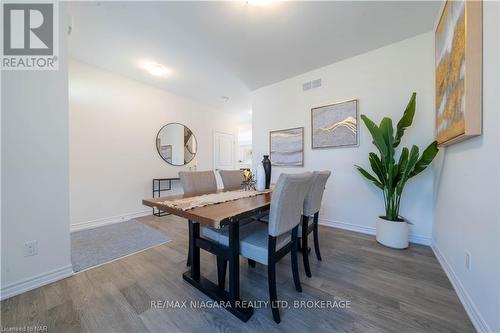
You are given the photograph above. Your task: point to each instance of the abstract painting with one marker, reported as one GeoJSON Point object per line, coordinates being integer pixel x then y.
{"type": "Point", "coordinates": [335, 125]}
{"type": "Point", "coordinates": [458, 72]}
{"type": "Point", "coordinates": [286, 147]}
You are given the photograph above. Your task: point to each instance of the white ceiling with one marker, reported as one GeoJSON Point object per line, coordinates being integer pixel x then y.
{"type": "Point", "coordinates": [230, 48]}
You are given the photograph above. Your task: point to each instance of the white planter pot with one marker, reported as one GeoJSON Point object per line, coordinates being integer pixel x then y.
{"type": "Point", "coordinates": [392, 234]}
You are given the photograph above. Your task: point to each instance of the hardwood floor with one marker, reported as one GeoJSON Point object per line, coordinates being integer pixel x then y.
{"type": "Point", "coordinates": [389, 291]}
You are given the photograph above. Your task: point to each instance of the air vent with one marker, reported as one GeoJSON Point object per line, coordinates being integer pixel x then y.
{"type": "Point", "coordinates": [311, 85]}
{"type": "Point", "coordinates": [316, 83]}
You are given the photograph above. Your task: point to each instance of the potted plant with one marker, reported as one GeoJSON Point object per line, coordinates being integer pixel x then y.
{"type": "Point", "coordinates": [391, 173]}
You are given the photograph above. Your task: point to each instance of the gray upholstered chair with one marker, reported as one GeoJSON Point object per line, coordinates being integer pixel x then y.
{"type": "Point", "coordinates": [312, 206]}
{"type": "Point", "coordinates": [197, 182]}
{"type": "Point", "coordinates": [232, 179]}
{"type": "Point", "coordinates": [205, 182]}
{"type": "Point", "coordinates": [268, 243]}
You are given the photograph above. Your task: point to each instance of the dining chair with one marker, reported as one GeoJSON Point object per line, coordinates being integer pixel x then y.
{"type": "Point", "coordinates": [312, 206]}
{"type": "Point", "coordinates": [205, 182]}
{"type": "Point", "coordinates": [232, 179]}
{"type": "Point", "coordinates": [268, 243]}
{"type": "Point", "coordinates": [197, 182]}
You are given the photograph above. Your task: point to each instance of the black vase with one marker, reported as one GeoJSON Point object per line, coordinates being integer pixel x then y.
{"type": "Point", "coordinates": [266, 162]}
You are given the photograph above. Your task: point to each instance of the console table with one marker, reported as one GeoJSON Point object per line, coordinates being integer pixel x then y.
{"type": "Point", "coordinates": [157, 189]}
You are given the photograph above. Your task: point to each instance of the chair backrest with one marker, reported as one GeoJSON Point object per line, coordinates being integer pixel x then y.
{"type": "Point", "coordinates": [312, 202]}
{"type": "Point", "coordinates": [287, 202]}
{"type": "Point", "coordinates": [232, 179]}
{"type": "Point", "coordinates": [198, 181]}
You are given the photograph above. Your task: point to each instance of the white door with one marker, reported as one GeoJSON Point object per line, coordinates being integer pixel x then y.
{"type": "Point", "coordinates": [223, 153]}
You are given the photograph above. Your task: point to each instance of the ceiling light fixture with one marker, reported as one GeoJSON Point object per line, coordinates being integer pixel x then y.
{"type": "Point", "coordinates": [259, 3]}
{"type": "Point", "coordinates": [154, 68]}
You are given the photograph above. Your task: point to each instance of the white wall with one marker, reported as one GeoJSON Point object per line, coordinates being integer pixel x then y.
{"type": "Point", "coordinates": [383, 81]}
{"type": "Point", "coordinates": [113, 125]}
{"type": "Point", "coordinates": [467, 198]}
{"type": "Point", "coordinates": [35, 174]}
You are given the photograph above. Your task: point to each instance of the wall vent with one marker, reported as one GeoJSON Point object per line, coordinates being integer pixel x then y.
{"type": "Point", "coordinates": [311, 85]}
{"type": "Point", "coordinates": [316, 83]}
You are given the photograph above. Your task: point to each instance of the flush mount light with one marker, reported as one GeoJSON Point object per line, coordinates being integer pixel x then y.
{"type": "Point", "coordinates": [259, 2]}
{"type": "Point", "coordinates": [225, 99]}
{"type": "Point", "coordinates": [154, 68]}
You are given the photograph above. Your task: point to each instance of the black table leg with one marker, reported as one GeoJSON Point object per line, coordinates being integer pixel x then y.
{"type": "Point", "coordinates": [188, 262]}
{"type": "Point", "coordinates": [194, 251]}
{"type": "Point", "coordinates": [234, 261]}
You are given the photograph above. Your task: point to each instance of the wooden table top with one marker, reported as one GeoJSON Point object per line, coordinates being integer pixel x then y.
{"type": "Point", "coordinates": [216, 215]}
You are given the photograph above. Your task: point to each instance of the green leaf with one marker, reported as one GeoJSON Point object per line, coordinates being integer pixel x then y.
{"type": "Point", "coordinates": [403, 160]}
{"type": "Point", "coordinates": [387, 130]}
{"type": "Point", "coordinates": [390, 179]}
{"type": "Point", "coordinates": [427, 156]}
{"type": "Point", "coordinates": [377, 167]}
{"type": "Point", "coordinates": [378, 139]}
{"type": "Point", "coordinates": [369, 177]}
{"type": "Point", "coordinates": [412, 160]}
{"type": "Point", "coordinates": [388, 135]}
{"type": "Point", "coordinates": [406, 120]}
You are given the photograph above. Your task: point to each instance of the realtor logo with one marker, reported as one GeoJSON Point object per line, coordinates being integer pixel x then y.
{"type": "Point", "coordinates": [29, 39]}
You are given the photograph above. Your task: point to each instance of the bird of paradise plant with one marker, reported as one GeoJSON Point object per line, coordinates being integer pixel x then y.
{"type": "Point", "coordinates": [391, 176]}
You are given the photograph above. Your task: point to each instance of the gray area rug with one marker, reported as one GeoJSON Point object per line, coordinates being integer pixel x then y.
{"type": "Point", "coordinates": [97, 246]}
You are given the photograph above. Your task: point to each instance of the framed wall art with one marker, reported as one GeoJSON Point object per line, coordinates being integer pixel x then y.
{"type": "Point", "coordinates": [286, 147]}
{"type": "Point", "coordinates": [458, 71]}
{"type": "Point", "coordinates": [335, 125]}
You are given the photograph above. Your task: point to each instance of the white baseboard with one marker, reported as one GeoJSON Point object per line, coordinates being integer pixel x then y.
{"type": "Point", "coordinates": [417, 239]}
{"type": "Point", "coordinates": [108, 220]}
{"type": "Point", "coordinates": [477, 320]}
{"type": "Point", "coordinates": [25, 285]}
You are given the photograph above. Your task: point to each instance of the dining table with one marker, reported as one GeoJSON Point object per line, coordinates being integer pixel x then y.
{"type": "Point", "coordinates": [228, 215]}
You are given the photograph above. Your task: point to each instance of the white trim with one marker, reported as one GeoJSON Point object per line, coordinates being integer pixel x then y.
{"type": "Point", "coordinates": [34, 282]}
{"type": "Point", "coordinates": [475, 316]}
{"type": "Point", "coordinates": [417, 239]}
{"type": "Point", "coordinates": [108, 220]}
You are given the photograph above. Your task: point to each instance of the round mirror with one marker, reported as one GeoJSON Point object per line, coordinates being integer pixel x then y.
{"type": "Point", "coordinates": [176, 144]}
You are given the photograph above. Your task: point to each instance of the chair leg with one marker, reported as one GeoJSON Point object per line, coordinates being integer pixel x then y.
{"type": "Point", "coordinates": [316, 237]}
{"type": "Point", "coordinates": [295, 266]}
{"type": "Point", "coordinates": [273, 297]}
{"type": "Point", "coordinates": [251, 263]}
{"type": "Point", "coordinates": [305, 254]}
{"type": "Point", "coordinates": [221, 271]}
{"type": "Point", "coordinates": [188, 262]}
{"type": "Point", "coordinates": [271, 278]}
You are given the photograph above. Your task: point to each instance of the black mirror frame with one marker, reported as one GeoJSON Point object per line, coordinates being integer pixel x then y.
{"type": "Point", "coordinates": [195, 140]}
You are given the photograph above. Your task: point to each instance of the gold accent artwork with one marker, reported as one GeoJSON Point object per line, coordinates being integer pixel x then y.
{"type": "Point", "coordinates": [458, 69]}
